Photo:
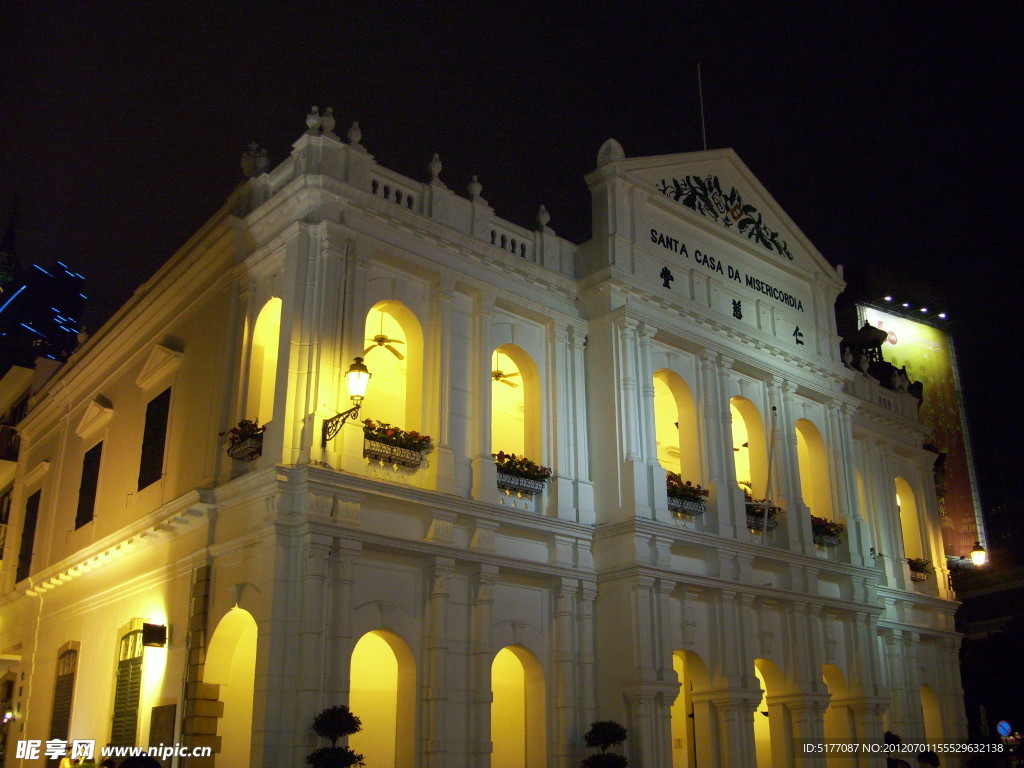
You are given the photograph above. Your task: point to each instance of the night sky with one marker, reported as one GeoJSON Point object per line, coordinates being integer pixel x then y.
{"type": "Point", "coordinates": [891, 135]}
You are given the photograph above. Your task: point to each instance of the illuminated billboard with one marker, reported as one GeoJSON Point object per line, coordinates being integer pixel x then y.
{"type": "Point", "coordinates": [928, 354]}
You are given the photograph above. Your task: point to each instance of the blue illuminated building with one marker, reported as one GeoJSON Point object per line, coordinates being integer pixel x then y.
{"type": "Point", "coordinates": [40, 313]}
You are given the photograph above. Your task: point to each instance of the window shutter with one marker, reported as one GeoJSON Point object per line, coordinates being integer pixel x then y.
{"type": "Point", "coordinates": [63, 690]}
{"type": "Point", "coordinates": [28, 536]}
{"type": "Point", "coordinates": [126, 693]}
{"type": "Point", "coordinates": [87, 488]}
{"type": "Point", "coordinates": [154, 439]}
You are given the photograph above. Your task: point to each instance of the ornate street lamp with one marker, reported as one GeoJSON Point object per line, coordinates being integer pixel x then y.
{"type": "Point", "coordinates": [978, 555]}
{"type": "Point", "coordinates": [356, 380]}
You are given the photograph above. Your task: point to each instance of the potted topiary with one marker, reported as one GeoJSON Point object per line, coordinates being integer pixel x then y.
{"type": "Point", "coordinates": [392, 445]}
{"type": "Point", "coordinates": [602, 735]}
{"type": "Point", "coordinates": [334, 723]}
{"type": "Point", "coordinates": [825, 532]}
{"type": "Point", "coordinates": [684, 498]}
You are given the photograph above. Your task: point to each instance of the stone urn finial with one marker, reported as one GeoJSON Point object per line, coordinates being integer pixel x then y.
{"type": "Point", "coordinates": [474, 188]}
{"type": "Point", "coordinates": [355, 135]}
{"type": "Point", "coordinates": [434, 166]}
{"type": "Point", "coordinates": [543, 217]}
{"type": "Point", "coordinates": [313, 121]}
{"type": "Point", "coordinates": [328, 122]}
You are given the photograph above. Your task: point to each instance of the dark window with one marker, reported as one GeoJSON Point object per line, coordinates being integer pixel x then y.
{"type": "Point", "coordinates": [5, 517]}
{"type": "Point", "coordinates": [28, 536]}
{"type": "Point", "coordinates": [126, 693]}
{"type": "Point", "coordinates": [60, 719]}
{"type": "Point", "coordinates": [154, 439]}
{"type": "Point", "coordinates": [87, 490]}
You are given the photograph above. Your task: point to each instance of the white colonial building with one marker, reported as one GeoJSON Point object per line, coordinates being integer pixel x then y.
{"type": "Point", "coordinates": [468, 624]}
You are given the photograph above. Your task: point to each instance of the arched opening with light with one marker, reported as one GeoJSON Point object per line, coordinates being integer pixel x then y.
{"type": "Point", "coordinates": [770, 726]}
{"type": "Point", "coordinates": [933, 730]}
{"type": "Point", "coordinates": [263, 351]}
{"type": "Point", "coordinates": [750, 448]}
{"type": "Point", "coordinates": [675, 425]}
{"type": "Point", "coordinates": [383, 696]}
{"type": "Point", "coordinates": [815, 483]}
{"type": "Point", "coordinates": [838, 719]}
{"type": "Point", "coordinates": [518, 716]}
{"type": "Point", "coordinates": [689, 722]}
{"type": "Point", "coordinates": [231, 664]}
{"type": "Point", "coordinates": [515, 403]}
{"type": "Point", "coordinates": [393, 352]}
{"type": "Point", "coordinates": [910, 522]}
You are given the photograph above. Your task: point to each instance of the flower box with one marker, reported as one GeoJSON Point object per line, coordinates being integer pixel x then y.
{"type": "Point", "coordinates": [688, 507]}
{"type": "Point", "coordinates": [756, 516]}
{"type": "Point", "coordinates": [825, 539]}
{"type": "Point", "coordinates": [249, 449]}
{"type": "Point", "coordinates": [391, 454]}
{"type": "Point", "coordinates": [524, 486]}
{"type": "Point", "coordinates": [918, 576]}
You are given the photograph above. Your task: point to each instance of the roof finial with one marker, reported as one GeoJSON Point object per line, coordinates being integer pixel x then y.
{"type": "Point", "coordinates": [355, 133]}
{"type": "Point", "coordinates": [434, 166]}
{"type": "Point", "coordinates": [474, 188]}
{"type": "Point", "coordinates": [254, 160]}
{"type": "Point", "coordinates": [328, 122]}
{"type": "Point", "coordinates": [313, 121]}
{"type": "Point", "coordinates": [543, 217]}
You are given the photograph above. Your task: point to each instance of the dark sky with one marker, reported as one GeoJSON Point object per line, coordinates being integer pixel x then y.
{"type": "Point", "coordinates": [890, 132]}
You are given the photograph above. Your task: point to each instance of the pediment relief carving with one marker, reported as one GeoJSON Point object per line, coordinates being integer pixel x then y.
{"type": "Point", "coordinates": [97, 414]}
{"type": "Point", "coordinates": [161, 363]}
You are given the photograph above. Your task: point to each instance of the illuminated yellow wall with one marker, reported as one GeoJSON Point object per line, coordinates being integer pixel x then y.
{"type": "Point", "coordinates": [666, 415]}
{"type": "Point", "coordinates": [374, 699]}
{"type": "Point", "coordinates": [815, 485]}
{"type": "Point", "coordinates": [762, 728]}
{"type": "Point", "coordinates": [678, 446]}
{"type": "Point", "coordinates": [231, 664]}
{"type": "Point", "coordinates": [837, 723]}
{"type": "Point", "coordinates": [263, 363]}
{"type": "Point", "coordinates": [387, 391]}
{"type": "Point", "coordinates": [933, 731]}
{"type": "Point", "coordinates": [518, 712]}
{"type": "Point", "coordinates": [909, 521]}
{"type": "Point", "coordinates": [749, 446]}
{"type": "Point", "coordinates": [928, 356]}
{"type": "Point", "coordinates": [508, 407]}
{"type": "Point", "coordinates": [682, 723]}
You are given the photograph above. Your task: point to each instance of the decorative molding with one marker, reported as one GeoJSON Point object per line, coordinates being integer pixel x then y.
{"type": "Point", "coordinates": [96, 415]}
{"type": "Point", "coordinates": [34, 475]}
{"type": "Point", "coordinates": [161, 363]}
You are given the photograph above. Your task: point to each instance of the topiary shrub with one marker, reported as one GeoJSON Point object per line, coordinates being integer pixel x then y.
{"type": "Point", "coordinates": [334, 723]}
{"type": "Point", "coordinates": [602, 735]}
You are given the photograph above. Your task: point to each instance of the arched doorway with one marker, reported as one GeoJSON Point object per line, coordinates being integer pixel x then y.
{"type": "Point", "coordinates": [815, 483]}
{"type": "Point", "coordinates": [910, 524]}
{"type": "Point", "coordinates": [933, 730]}
{"type": "Point", "coordinates": [392, 350]}
{"type": "Point", "coordinates": [518, 712]}
{"type": "Point", "coordinates": [838, 719]}
{"type": "Point", "coordinates": [515, 403]}
{"type": "Point", "coordinates": [231, 664]}
{"type": "Point", "coordinates": [691, 746]}
{"type": "Point", "coordinates": [263, 353]}
{"type": "Point", "coordinates": [750, 447]}
{"type": "Point", "coordinates": [770, 726]}
{"type": "Point", "coordinates": [382, 695]}
{"type": "Point", "coordinates": [675, 426]}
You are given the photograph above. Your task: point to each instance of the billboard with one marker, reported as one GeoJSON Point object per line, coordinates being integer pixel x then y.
{"type": "Point", "coordinates": [928, 354]}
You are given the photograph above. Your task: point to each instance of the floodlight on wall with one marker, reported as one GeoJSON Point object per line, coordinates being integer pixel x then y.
{"type": "Point", "coordinates": [154, 635]}
{"type": "Point", "coordinates": [978, 555]}
{"type": "Point", "coordinates": [357, 378]}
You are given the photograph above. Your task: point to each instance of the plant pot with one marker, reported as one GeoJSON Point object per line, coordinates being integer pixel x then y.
{"type": "Point", "coordinates": [918, 576]}
{"type": "Point", "coordinates": [687, 507]}
{"type": "Point", "coordinates": [524, 486]}
{"type": "Point", "coordinates": [825, 539]}
{"type": "Point", "coordinates": [249, 449]}
{"type": "Point", "coordinates": [391, 454]}
{"type": "Point", "coordinates": [756, 517]}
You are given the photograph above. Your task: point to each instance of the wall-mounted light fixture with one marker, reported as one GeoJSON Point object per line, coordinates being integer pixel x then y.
{"type": "Point", "coordinates": [154, 635]}
{"type": "Point", "coordinates": [356, 380]}
{"type": "Point", "coordinates": [978, 555]}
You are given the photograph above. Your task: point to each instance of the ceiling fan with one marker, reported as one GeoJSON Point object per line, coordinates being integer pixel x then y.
{"type": "Point", "coordinates": [499, 375]}
{"type": "Point", "coordinates": [382, 340]}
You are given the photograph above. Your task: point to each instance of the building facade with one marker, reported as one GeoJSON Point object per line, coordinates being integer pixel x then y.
{"type": "Point", "coordinates": [469, 620]}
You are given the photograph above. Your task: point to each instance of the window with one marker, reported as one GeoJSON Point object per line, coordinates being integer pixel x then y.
{"type": "Point", "coordinates": [5, 517]}
{"type": "Point", "coordinates": [87, 489]}
{"type": "Point", "coordinates": [154, 439]}
{"type": "Point", "coordinates": [63, 689]}
{"type": "Point", "coordinates": [28, 536]}
{"type": "Point", "coordinates": [126, 693]}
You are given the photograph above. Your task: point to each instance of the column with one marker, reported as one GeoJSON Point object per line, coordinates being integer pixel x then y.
{"type": "Point", "coordinates": [480, 658]}
{"type": "Point", "coordinates": [485, 475]}
{"type": "Point", "coordinates": [436, 679]}
{"type": "Point", "coordinates": [440, 382]}
{"type": "Point", "coordinates": [585, 664]}
{"type": "Point", "coordinates": [315, 551]}
{"type": "Point", "coordinates": [340, 641]}
{"type": "Point", "coordinates": [563, 697]}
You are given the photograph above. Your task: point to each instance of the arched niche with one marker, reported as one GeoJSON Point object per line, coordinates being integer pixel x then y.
{"type": "Point", "coordinates": [838, 719]}
{"type": "Point", "coordinates": [515, 403]}
{"type": "Point", "coordinates": [910, 522]}
{"type": "Point", "coordinates": [769, 726]}
{"type": "Point", "coordinates": [263, 352]}
{"type": "Point", "coordinates": [231, 664]}
{"type": "Point", "coordinates": [750, 447]}
{"type": "Point", "coordinates": [383, 695]}
{"type": "Point", "coordinates": [815, 478]}
{"type": "Point", "coordinates": [392, 350]}
{"type": "Point", "coordinates": [675, 425]}
{"type": "Point", "coordinates": [689, 723]}
{"type": "Point", "coordinates": [933, 730]}
{"type": "Point", "coordinates": [518, 712]}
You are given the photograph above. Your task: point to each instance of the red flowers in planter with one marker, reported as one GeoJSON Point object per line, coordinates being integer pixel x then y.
{"type": "Point", "coordinates": [382, 432]}
{"type": "Point", "coordinates": [509, 464]}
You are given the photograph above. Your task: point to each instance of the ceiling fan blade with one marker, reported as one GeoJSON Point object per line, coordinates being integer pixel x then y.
{"type": "Point", "coordinates": [395, 341]}
{"type": "Point", "coordinates": [510, 383]}
{"type": "Point", "coordinates": [367, 350]}
{"type": "Point", "coordinates": [394, 352]}
{"type": "Point", "coordinates": [510, 375]}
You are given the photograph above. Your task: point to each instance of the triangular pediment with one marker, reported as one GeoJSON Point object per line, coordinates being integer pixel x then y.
{"type": "Point", "coordinates": [96, 415]}
{"type": "Point", "coordinates": [160, 364]}
{"type": "Point", "coordinates": [718, 187]}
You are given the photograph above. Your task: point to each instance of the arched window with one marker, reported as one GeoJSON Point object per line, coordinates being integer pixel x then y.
{"type": "Point", "coordinates": [382, 695]}
{"type": "Point", "coordinates": [815, 485]}
{"type": "Point", "coordinates": [750, 448]}
{"type": "Point", "coordinates": [393, 352]}
{"type": "Point", "coordinates": [263, 363]}
{"type": "Point", "coordinates": [518, 717]}
{"type": "Point", "coordinates": [910, 522]}
{"type": "Point", "coordinates": [231, 664]}
{"type": "Point", "coordinates": [675, 425]}
{"type": "Point", "coordinates": [515, 403]}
